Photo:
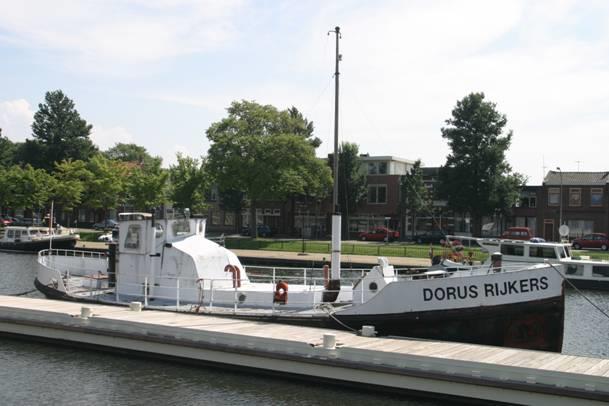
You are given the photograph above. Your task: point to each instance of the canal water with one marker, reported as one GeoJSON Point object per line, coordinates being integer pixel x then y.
{"type": "Point", "coordinates": [45, 374]}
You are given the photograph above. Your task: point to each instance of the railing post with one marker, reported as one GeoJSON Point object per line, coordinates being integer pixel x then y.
{"type": "Point", "coordinates": [211, 294]}
{"type": "Point", "coordinates": [235, 299]}
{"type": "Point", "coordinates": [146, 291]}
{"type": "Point", "coordinates": [304, 282]}
{"type": "Point", "coordinates": [177, 294]}
{"type": "Point", "coordinates": [273, 274]}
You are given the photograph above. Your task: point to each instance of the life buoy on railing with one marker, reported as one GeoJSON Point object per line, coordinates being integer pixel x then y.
{"type": "Point", "coordinates": [236, 274]}
{"type": "Point", "coordinates": [281, 292]}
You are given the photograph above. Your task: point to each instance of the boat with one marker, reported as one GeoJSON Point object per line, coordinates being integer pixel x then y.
{"type": "Point", "coordinates": [34, 239]}
{"type": "Point", "coordinates": [580, 271]}
{"type": "Point", "coordinates": [169, 264]}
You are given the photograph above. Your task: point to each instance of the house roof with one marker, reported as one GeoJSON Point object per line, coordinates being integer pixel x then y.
{"type": "Point", "coordinates": [576, 178]}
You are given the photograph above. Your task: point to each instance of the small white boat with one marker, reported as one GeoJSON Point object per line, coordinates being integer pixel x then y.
{"type": "Point", "coordinates": [34, 239]}
{"type": "Point", "coordinates": [582, 272]}
{"type": "Point", "coordinates": [169, 264]}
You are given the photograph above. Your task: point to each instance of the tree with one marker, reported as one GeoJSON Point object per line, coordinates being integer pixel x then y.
{"type": "Point", "coordinates": [189, 183]}
{"type": "Point", "coordinates": [414, 196]}
{"type": "Point", "coordinates": [352, 189]}
{"type": "Point", "coordinates": [252, 152]}
{"type": "Point", "coordinates": [146, 185]}
{"type": "Point", "coordinates": [59, 132]}
{"type": "Point", "coordinates": [7, 151]}
{"type": "Point", "coordinates": [26, 187]}
{"type": "Point", "coordinates": [476, 177]}
{"type": "Point", "coordinates": [106, 189]}
{"type": "Point", "coordinates": [128, 153]}
{"type": "Point", "coordinates": [71, 178]}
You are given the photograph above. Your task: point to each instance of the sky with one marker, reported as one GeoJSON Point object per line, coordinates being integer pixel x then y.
{"type": "Point", "coordinates": [158, 73]}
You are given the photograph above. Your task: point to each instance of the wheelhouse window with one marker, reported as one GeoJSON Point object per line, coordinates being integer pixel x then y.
{"type": "Point", "coordinates": [132, 240]}
{"type": "Point", "coordinates": [181, 227]}
{"type": "Point", "coordinates": [377, 194]}
{"type": "Point", "coordinates": [577, 270]}
{"type": "Point", "coordinates": [553, 196]}
{"type": "Point", "coordinates": [542, 252]}
{"type": "Point", "coordinates": [596, 197]}
{"type": "Point", "coordinates": [600, 271]}
{"type": "Point", "coordinates": [575, 197]}
{"type": "Point", "coordinates": [508, 249]}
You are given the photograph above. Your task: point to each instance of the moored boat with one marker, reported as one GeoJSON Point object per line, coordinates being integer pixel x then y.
{"type": "Point", "coordinates": [581, 272]}
{"type": "Point", "coordinates": [34, 239]}
{"type": "Point", "coordinates": [169, 264]}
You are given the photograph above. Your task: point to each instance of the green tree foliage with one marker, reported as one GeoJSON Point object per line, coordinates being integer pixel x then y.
{"type": "Point", "coordinates": [7, 151]}
{"type": "Point", "coordinates": [414, 196]}
{"type": "Point", "coordinates": [129, 153]}
{"type": "Point", "coordinates": [59, 133]}
{"type": "Point", "coordinates": [26, 187]}
{"type": "Point", "coordinates": [189, 183]}
{"type": "Point", "coordinates": [476, 177]}
{"type": "Point", "coordinates": [253, 152]}
{"type": "Point", "coordinates": [146, 185]}
{"type": "Point", "coordinates": [352, 189]}
{"type": "Point", "coordinates": [106, 189]}
{"type": "Point", "coordinates": [72, 178]}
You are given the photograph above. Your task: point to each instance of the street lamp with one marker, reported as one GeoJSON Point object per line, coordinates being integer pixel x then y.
{"type": "Point", "coordinates": [560, 205]}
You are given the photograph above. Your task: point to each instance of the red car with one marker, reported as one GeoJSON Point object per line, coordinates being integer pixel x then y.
{"type": "Point", "coordinates": [5, 221]}
{"type": "Point", "coordinates": [379, 234]}
{"type": "Point", "coordinates": [517, 233]}
{"type": "Point", "coordinates": [594, 240]}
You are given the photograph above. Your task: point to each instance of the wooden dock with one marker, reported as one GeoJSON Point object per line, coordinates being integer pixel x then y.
{"type": "Point", "coordinates": [443, 369]}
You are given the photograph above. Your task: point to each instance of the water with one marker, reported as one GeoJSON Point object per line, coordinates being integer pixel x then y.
{"type": "Point", "coordinates": [46, 374]}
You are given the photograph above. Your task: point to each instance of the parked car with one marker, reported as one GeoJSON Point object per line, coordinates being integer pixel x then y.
{"type": "Point", "coordinates": [433, 237]}
{"type": "Point", "coordinates": [6, 221]}
{"type": "Point", "coordinates": [594, 240]}
{"type": "Point", "coordinates": [263, 230]}
{"type": "Point", "coordinates": [379, 234]}
{"type": "Point", "coordinates": [107, 224]}
{"type": "Point", "coordinates": [517, 233]}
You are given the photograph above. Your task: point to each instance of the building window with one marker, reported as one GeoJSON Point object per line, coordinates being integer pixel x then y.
{"type": "Point", "coordinates": [213, 194]}
{"type": "Point", "coordinates": [382, 168]}
{"type": "Point", "coordinates": [377, 194]}
{"type": "Point", "coordinates": [553, 196]}
{"type": "Point", "coordinates": [577, 228]}
{"type": "Point", "coordinates": [229, 219]}
{"type": "Point", "coordinates": [575, 197]}
{"type": "Point", "coordinates": [528, 200]}
{"type": "Point", "coordinates": [372, 170]}
{"type": "Point", "coordinates": [596, 197]}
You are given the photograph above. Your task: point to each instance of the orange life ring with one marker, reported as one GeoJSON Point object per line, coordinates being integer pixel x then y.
{"type": "Point", "coordinates": [236, 274]}
{"type": "Point", "coordinates": [281, 292]}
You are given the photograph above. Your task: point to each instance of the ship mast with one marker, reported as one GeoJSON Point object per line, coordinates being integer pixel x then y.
{"type": "Point", "coordinates": [334, 282]}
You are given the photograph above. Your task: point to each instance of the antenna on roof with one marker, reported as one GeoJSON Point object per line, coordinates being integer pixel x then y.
{"type": "Point", "coordinates": [578, 162]}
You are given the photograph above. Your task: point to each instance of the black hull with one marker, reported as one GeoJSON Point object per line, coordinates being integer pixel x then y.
{"type": "Point", "coordinates": [35, 246]}
{"type": "Point", "coordinates": [534, 325]}
{"type": "Point", "coordinates": [593, 284]}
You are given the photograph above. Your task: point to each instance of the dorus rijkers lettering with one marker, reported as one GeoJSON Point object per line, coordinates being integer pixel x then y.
{"type": "Point", "coordinates": [487, 289]}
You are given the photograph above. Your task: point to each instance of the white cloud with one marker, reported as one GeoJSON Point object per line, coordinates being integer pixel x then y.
{"type": "Point", "coordinates": [16, 118]}
{"type": "Point", "coordinates": [117, 36]}
{"type": "Point", "coordinates": [106, 138]}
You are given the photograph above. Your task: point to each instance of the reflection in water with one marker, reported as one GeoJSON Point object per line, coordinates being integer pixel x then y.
{"type": "Point", "coordinates": [35, 373]}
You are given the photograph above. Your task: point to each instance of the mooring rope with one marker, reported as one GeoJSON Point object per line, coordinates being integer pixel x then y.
{"type": "Point", "coordinates": [23, 293]}
{"type": "Point", "coordinates": [580, 292]}
{"type": "Point", "coordinates": [325, 308]}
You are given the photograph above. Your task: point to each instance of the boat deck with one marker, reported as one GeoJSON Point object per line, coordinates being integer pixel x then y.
{"type": "Point", "coordinates": [462, 370]}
